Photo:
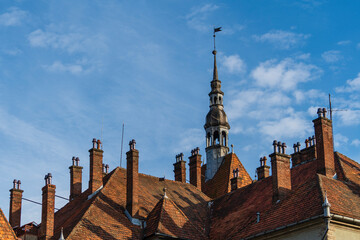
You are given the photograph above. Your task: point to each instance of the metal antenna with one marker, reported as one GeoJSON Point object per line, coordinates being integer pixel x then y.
{"type": "Point", "coordinates": [101, 133]}
{"type": "Point", "coordinates": [333, 110]}
{"type": "Point", "coordinates": [122, 142]}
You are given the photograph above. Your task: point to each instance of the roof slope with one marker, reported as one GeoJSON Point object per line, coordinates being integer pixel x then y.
{"type": "Point", "coordinates": [167, 219]}
{"type": "Point", "coordinates": [6, 231]}
{"type": "Point", "coordinates": [103, 217]}
{"type": "Point", "coordinates": [220, 183]}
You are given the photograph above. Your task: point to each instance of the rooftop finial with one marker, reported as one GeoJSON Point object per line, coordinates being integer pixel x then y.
{"type": "Point", "coordinates": [164, 189]}
{"type": "Point", "coordinates": [326, 206]}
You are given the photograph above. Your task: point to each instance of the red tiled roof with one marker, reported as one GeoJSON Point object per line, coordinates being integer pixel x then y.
{"type": "Point", "coordinates": [167, 219]}
{"type": "Point", "coordinates": [6, 231]}
{"type": "Point", "coordinates": [102, 217]}
{"type": "Point", "coordinates": [220, 183]}
{"type": "Point", "coordinates": [234, 215]}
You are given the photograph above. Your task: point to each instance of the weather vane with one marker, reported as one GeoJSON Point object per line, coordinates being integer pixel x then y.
{"type": "Point", "coordinates": [215, 31]}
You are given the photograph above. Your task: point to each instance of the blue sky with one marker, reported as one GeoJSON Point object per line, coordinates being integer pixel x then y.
{"type": "Point", "coordinates": [74, 70]}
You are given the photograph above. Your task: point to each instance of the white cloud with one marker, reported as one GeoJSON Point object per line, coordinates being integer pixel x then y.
{"type": "Point", "coordinates": [331, 56]}
{"type": "Point", "coordinates": [309, 95]}
{"type": "Point", "coordinates": [291, 126]}
{"type": "Point", "coordinates": [13, 17]}
{"type": "Point", "coordinates": [284, 75]}
{"type": "Point", "coordinates": [189, 139]}
{"type": "Point", "coordinates": [60, 67]}
{"type": "Point", "coordinates": [304, 56]}
{"type": "Point", "coordinates": [351, 85]}
{"type": "Point", "coordinates": [197, 17]}
{"type": "Point", "coordinates": [72, 41]}
{"type": "Point", "coordinates": [345, 42]}
{"type": "Point", "coordinates": [256, 104]}
{"type": "Point", "coordinates": [349, 117]}
{"type": "Point", "coordinates": [282, 39]}
{"type": "Point", "coordinates": [340, 140]}
{"type": "Point", "coordinates": [233, 64]}
{"type": "Point", "coordinates": [355, 142]}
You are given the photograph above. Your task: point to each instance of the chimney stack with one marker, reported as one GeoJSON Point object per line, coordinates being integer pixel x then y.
{"type": "Point", "coordinates": [75, 178]}
{"type": "Point", "coordinates": [280, 165]}
{"type": "Point", "coordinates": [195, 168]}
{"type": "Point", "coordinates": [96, 163]}
{"type": "Point", "coordinates": [263, 171]}
{"type": "Point", "coordinates": [15, 204]}
{"type": "Point", "coordinates": [48, 207]}
{"type": "Point", "coordinates": [236, 181]}
{"type": "Point", "coordinates": [324, 144]}
{"type": "Point", "coordinates": [180, 168]}
{"type": "Point", "coordinates": [132, 181]}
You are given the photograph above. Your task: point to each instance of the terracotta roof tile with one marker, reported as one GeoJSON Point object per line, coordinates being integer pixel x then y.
{"type": "Point", "coordinates": [6, 231]}
{"type": "Point", "coordinates": [167, 219]}
{"type": "Point", "coordinates": [220, 183]}
{"type": "Point", "coordinates": [103, 217]}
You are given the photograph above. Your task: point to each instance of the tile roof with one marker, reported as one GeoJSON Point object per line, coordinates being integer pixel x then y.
{"type": "Point", "coordinates": [167, 219]}
{"type": "Point", "coordinates": [6, 231]}
{"type": "Point", "coordinates": [103, 217]}
{"type": "Point", "coordinates": [220, 183]}
{"type": "Point", "coordinates": [234, 214]}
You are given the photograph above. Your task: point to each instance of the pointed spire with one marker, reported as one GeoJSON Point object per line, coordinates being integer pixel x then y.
{"type": "Point", "coordinates": [326, 206]}
{"type": "Point", "coordinates": [165, 196]}
{"type": "Point", "coordinates": [62, 235]}
{"type": "Point", "coordinates": [215, 75]}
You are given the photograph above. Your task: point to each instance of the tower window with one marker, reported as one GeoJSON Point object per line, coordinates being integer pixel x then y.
{"type": "Point", "coordinates": [215, 100]}
{"type": "Point", "coordinates": [224, 143]}
{"type": "Point", "coordinates": [216, 138]}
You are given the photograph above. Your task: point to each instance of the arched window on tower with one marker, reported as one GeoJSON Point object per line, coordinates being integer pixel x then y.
{"type": "Point", "coordinates": [223, 138]}
{"type": "Point", "coordinates": [215, 100]}
{"type": "Point", "coordinates": [216, 138]}
{"type": "Point", "coordinates": [208, 139]}
{"type": "Point", "coordinates": [220, 100]}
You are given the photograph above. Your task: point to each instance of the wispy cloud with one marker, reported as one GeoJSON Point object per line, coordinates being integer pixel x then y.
{"type": "Point", "coordinates": [349, 117]}
{"type": "Point", "coordinates": [340, 140]}
{"type": "Point", "coordinates": [332, 56]}
{"type": "Point", "coordinates": [343, 43]}
{"type": "Point", "coordinates": [196, 19]}
{"type": "Point", "coordinates": [60, 67]}
{"type": "Point", "coordinates": [285, 75]}
{"type": "Point", "coordinates": [69, 40]}
{"type": "Point", "coordinates": [355, 142]}
{"type": "Point", "coordinates": [291, 126]}
{"type": "Point", "coordinates": [233, 64]}
{"type": "Point", "coordinates": [351, 85]}
{"type": "Point", "coordinates": [13, 17]}
{"type": "Point", "coordinates": [282, 39]}
{"type": "Point", "coordinates": [307, 96]}
{"type": "Point", "coordinates": [189, 139]}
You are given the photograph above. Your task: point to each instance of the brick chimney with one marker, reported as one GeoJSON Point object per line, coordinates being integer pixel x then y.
{"type": "Point", "coordinates": [96, 163]}
{"type": "Point", "coordinates": [75, 178]}
{"type": "Point", "coordinates": [15, 204]}
{"type": "Point", "coordinates": [48, 207]}
{"type": "Point", "coordinates": [180, 168]}
{"type": "Point", "coordinates": [324, 144]}
{"type": "Point", "coordinates": [263, 171]}
{"type": "Point", "coordinates": [280, 165]}
{"type": "Point", "coordinates": [195, 168]}
{"type": "Point", "coordinates": [132, 179]}
{"type": "Point", "coordinates": [236, 181]}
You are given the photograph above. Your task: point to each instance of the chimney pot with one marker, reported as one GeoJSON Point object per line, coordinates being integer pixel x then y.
{"type": "Point", "coordinates": [132, 144]}
{"type": "Point", "coordinates": [94, 142]}
{"type": "Point", "coordinates": [319, 112]}
{"type": "Point", "coordinates": [14, 184]}
{"type": "Point", "coordinates": [275, 145]}
{"type": "Point", "coordinates": [324, 112]}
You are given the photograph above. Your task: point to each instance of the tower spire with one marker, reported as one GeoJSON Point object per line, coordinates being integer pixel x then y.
{"type": "Point", "coordinates": [215, 75]}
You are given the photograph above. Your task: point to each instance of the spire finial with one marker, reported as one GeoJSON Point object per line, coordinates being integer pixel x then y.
{"type": "Point", "coordinates": [62, 235]}
{"type": "Point", "coordinates": [215, 76]}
